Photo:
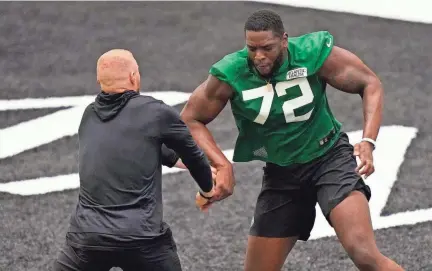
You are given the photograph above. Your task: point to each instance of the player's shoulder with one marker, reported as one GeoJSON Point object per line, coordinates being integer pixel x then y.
{"type": "Point", "coordinates": [316, 37]}
{"type": "Point", "coordinates": [230, 66]}
{"type": "Point", "coordinates": [310, 49]}
{"type": "Point", "coordinates": [233, 60]}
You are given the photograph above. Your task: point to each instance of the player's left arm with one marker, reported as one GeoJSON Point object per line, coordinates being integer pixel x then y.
{"type": "Point", "coordinates": [345, 71]}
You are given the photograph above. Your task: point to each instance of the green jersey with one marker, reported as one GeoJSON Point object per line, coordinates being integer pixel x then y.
{"type": "Point", "coordinates": [286, 119]}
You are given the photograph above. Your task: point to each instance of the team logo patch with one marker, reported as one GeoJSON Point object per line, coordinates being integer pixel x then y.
{"type": "Point", "coordinates": [296, 73]}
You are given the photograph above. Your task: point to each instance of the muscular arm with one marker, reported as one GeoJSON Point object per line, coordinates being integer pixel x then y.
{"type": "Point", "coordinates": [345, 71]}
{"type": "Point", "coordinates": [205, 103]}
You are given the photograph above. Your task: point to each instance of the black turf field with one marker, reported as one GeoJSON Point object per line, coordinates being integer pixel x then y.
{"type": "Point", "coordinates": [50, 49]}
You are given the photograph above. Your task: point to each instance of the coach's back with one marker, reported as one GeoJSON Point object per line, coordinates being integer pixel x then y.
{"type": "Point", "coordinates": [124, 139]}
{"type": "Point", "coordinates": [121, 139]}
{"type": "Point", "coordinates": [117, 157]}
{"type": "Point", "coordinates": [119, 170]}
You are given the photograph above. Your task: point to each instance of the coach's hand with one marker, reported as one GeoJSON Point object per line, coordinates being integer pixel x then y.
{"type": "Point", "coordinates": [224, 187]}
{"type": "Point", "coordinates": [204, 203]}
{"type": "Point", "coordinates": [363, 151]}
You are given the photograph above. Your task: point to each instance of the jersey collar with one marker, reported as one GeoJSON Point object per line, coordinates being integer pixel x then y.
{"type": "Point", "coordinates": [284, 66]}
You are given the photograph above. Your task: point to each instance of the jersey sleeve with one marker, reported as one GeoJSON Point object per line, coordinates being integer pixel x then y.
{"type": "Point", "coordinates": [227, 69]}
{"type": "Point", "coordinates": [312, 50]}
{"type": "Point", "coordinates": [218, 70]}
{"type": "Point", "coordinates": [324, 44]}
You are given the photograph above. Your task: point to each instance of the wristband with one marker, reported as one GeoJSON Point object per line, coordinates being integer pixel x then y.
{"type": "Point", "coordinates": [366, 139]}
{"type": "Point", "coordinates": [201, 194]}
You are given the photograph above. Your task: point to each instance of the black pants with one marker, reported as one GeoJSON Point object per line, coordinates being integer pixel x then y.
{"type": "Point", "coordinates": [160, 255]}
{"type": "Point", "coordinates": [286, 203]}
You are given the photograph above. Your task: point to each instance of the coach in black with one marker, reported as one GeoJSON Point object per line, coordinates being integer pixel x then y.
{"type": "Point", "coordinates": [124, 138]}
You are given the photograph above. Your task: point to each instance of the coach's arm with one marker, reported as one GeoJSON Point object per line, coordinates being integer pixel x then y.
{"type": "Point", "coordinates": [176, 136]}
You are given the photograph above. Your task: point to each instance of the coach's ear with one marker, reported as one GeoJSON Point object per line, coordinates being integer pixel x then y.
{"type": "Point", "coordinates": [134, 79]}
{"type": "Point", "coordinates": [98, 82]}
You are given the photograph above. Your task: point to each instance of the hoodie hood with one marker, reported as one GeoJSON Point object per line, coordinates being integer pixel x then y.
{"type": "Point", "coordinates": [107, 106]}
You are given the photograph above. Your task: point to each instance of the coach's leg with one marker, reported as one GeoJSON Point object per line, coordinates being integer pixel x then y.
{"type": "Point", "coordinates": [72, 259]}
{"type": "Point", "coordinates": [352, 222]}
{"type": "Point", "coordinates": [158, 254]}
{"type": "Point", "coordinates": [265, 253]}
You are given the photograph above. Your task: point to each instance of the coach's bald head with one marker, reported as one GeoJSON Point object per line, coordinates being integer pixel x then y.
{"type": "Point", "coordinates": [117, 71]}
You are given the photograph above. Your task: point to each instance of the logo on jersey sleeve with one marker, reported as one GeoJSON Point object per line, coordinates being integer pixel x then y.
{"type": "Point", "coordinates": [329, 42]}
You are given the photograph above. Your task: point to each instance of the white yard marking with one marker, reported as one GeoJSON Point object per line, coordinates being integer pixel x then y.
{"type": "Point", "coordinates": [58, 183]}
{"type": "Point", "coordinates": [392, 144]}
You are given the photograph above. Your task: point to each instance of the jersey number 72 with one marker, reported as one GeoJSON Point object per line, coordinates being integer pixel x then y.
{"type": "Point", "coordinates": [289, 106]}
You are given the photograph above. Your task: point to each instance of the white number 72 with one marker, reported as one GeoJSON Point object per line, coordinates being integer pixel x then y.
{"type": "Point", "coordinates": [289, 106]}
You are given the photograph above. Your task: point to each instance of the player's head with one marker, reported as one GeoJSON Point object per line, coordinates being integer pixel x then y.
{"type": "Point", "coordinates": [117, 70]}
{"type": "Point", "coordinates": [266, 40]}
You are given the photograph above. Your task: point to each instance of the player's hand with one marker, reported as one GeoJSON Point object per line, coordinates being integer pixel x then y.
{"type": "Point", "coordinates": [363, 151]}
{"type": "Point", "coordinates": [225, 182]}
{"type": "Point", "coordinates": [214, 171]}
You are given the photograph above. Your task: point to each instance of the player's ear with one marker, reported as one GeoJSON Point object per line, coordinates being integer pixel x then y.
{"type": "Point", "coordinates": [285, 40]}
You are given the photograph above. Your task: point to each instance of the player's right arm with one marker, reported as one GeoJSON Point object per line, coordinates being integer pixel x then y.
{"type": "Point", "coordinates": [205, 103]}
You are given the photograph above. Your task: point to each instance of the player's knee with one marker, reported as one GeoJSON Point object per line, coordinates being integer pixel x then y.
{"type": "Point", "coordinates": [365, 260]}
{"type": "Point", "coordinates": [363, 252]}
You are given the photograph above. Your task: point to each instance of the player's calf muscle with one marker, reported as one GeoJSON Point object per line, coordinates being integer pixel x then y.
{"type": "Point", "coordinates": [267, 253]}
{"type": "Point", "coordinates": [352, 223]}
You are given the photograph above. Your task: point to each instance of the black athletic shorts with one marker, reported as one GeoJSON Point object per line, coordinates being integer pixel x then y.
{"type": "Point", "coordinates": [286, 203]}
{"type": "Point", "coordinates": [160, 255]}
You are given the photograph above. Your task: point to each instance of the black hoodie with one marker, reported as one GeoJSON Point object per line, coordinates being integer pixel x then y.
{"type": "Point", "coordinates": [122, 140]}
